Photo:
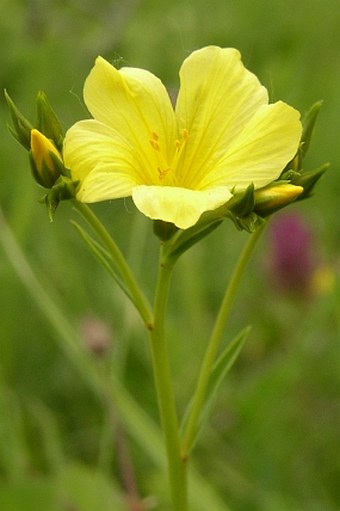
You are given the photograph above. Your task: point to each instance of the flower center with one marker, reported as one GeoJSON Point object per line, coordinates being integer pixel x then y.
{"type": "Point", "coordinates": [167, 171]}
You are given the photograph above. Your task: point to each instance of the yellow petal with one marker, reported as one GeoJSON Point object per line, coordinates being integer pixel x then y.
{"type": "Point", "coordinates": [105, 183]}
{"type": "Point", "coordinates": [259, 154]}
{"type": "Point", "coordinates": [41, 147]}
{"type": "Point", "coordinates": [217, 97]}
{"type": "Point", "coordinates": [103, 161]}
{"type": "Point", "coordinates": [136, 105]}
{"type": "Point", "coordinates": [180, 206]}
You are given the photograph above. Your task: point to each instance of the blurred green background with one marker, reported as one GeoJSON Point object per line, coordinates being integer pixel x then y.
{"type": "Point", "coordinates": [273, 441]}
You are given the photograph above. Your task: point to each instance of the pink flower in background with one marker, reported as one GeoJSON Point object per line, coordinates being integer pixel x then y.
{"type": "Point", "coordinates": [293, 258]}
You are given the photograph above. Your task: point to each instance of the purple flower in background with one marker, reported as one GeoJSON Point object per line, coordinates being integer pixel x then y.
{"type": "Point", "coordinates": [292, 254]}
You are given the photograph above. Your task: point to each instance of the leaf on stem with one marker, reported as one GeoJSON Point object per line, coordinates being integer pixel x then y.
{"type": "Point", "coordinates": [103, 257]}
{"type": "Point", "coordinates": [219, 371]}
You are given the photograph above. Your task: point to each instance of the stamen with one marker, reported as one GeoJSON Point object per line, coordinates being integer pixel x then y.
{"type": "Point", "coordinates": [163, 166]}
{"type": "Point", "coordinates": [179, 146]}
{"type": "Point", "coordinates": [163, 173]}
{"type": "Point", "coordinates": [155, 145]}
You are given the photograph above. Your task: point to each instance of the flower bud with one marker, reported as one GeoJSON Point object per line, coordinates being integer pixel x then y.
{"type": "Point", "coordinates": [46, 161]}
{"type": "Point", "coordinates": [273, 197]}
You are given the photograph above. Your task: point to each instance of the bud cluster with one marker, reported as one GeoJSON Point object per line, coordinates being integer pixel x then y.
{"type": "Point", "coordinates": [43, 141]}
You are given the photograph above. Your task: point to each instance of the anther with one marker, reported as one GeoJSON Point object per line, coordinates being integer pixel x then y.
{"type": "Point", "coordinates": [155, 145]}
{"type": "Point", "coordinates": [163, 173]}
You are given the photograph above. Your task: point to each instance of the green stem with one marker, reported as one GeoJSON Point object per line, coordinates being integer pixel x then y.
{"type": "Point", "coordinates": [214, 343]}
{"type": "Point", "coordinates": [134, 417]}
{"type": "Point", "coordinates": [122, 266]}
{"type": "Point", "coordinates": [166, 401]}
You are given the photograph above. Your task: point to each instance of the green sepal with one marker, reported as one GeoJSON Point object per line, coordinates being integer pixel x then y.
{"type": "Point", "coordinates": [308, 123]}
{"type": "Point", "coordinates": [248, 223]}
{"type": "Point", "coordinates": [47, 175]}
{"type": "Point", "coordinates": [242, 203]}
{"type": "Point", "coordinates": [21, 129]}
{"type": "Point", "coordinates": [63, 189]}
{"type": "Point", "coordinates": [308, 179]}
{"type": "Point", "coordinates": [289, 176]}
{"type": "Point", "coordinates": [47, 121]}
{"type": "Point", "coordinates": [240, 210]}
{"type": "Point", "coordinates": [164, 230]}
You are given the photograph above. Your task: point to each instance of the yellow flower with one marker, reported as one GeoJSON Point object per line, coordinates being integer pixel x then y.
{"type": "Point", "coordinates": [178, 163]}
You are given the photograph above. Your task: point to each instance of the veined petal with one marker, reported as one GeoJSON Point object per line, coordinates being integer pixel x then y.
{"type": "Point", "coordinates": [177, 165]}
{"type": "Point", "coordinates": [217, 97]}
{"type": "Point", "coordinates": [105, 183]}
{"type": "Point", "coordinates": [180, 206]}
{"type": "Point", "coordinates": [99, 157]}
{"type": "Point", "coordinates": [261, 151]}
{"type": "Point", "coordinates": [136, 104]}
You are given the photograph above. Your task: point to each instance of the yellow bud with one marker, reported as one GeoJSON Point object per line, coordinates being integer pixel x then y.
{"type": "Point", "coordinates": [274, 197]}
{"type": "Point", "coordinates": [46, 160]}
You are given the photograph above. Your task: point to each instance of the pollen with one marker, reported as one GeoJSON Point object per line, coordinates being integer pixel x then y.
{"type": "Point", "coordinates": [185, 134]}
{"type": "Point", "coordinates": [163, 173]}
{"type": "Point", "coordinates": [163, 167]}
{"type": "Point", "coordinates": [167, 163]}
{"type": "Point", "coordinates": [155, 145]}
{"type": "Point", "coordinates": [179, 146]}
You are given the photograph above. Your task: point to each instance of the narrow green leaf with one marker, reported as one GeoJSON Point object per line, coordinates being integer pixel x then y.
{"type": "Point", "coordinates": [121, 268]}
{"type": "Point", "coordinates": [225, 361]}
{"type": "Point", "coordinates": [103, 257]}
{"type": "Point", "coordinates": [220, 369]}
{"type": "Point", "coordinates": [308, 180]}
